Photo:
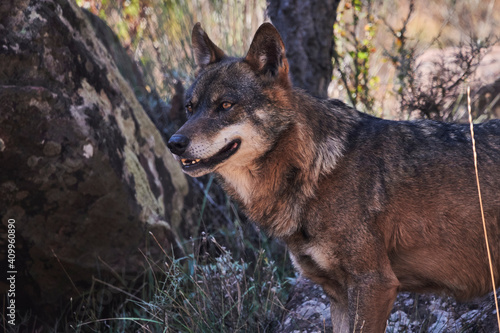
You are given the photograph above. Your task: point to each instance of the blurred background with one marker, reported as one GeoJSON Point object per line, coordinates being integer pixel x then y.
{"type": "Point", "coordinates": [157, 33]}
{"type": "Point", "coordinates": [379, 45]}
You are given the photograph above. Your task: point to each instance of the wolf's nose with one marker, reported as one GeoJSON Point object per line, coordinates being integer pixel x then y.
{"type": "Point", "coordinates": [178, 144]}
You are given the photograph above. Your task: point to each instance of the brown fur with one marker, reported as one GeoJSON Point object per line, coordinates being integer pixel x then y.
{"type": "Point", "coordinates": [367, 207]}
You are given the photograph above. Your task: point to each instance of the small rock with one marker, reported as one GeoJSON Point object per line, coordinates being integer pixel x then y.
{"type": "Point", "coordinates": [33, 161]}
{"type": "Point", "coordinates": [88, 150]}
{"type": "Point", "coordinates": [51, 148]}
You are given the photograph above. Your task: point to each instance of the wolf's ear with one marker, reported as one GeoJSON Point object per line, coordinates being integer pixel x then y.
{"type": "Point", "coordinates": [267, 53]}
{"type": "Point", "coordinates": [205, 51]}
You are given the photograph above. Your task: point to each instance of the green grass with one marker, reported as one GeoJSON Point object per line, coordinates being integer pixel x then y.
{"type": "Point", "coordinates": [197, 293]}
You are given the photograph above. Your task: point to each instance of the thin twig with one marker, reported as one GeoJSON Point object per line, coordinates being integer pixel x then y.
{"type": "Point", "coordinates": [65, 272]}
{"type": "Point", "coordinates": [481, 205]}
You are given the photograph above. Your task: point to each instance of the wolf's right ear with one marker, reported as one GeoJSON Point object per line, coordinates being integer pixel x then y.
{"type": "Point", "coordinates": [267, 54]}
{"type": "Point", "coordinates": [205, 51]}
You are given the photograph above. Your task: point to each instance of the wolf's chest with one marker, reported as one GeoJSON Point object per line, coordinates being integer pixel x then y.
{"type": "Point", "coordinates": [313, 258]}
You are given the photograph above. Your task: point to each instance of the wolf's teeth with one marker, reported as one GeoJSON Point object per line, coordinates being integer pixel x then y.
{"type": "Point", "coordinates": [186, 161]}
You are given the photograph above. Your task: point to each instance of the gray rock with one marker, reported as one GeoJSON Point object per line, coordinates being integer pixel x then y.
{"type": "Point", "coordinates": [308, 307]}
{"type": "Point", "coordinates": [83, 170]}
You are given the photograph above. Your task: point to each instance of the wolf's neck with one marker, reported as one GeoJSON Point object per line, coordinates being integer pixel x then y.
{"type": "Point", "coordinates": [277, 186]}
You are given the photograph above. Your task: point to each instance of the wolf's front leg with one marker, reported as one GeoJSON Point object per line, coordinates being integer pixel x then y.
{"type": "Point", "coordinates": [340, 317]}
{"type": "Point", "coordinates": [370, 303]}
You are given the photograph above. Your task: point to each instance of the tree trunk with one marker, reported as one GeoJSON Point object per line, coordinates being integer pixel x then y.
{"type": "Point", "coordinates": [307, 30]}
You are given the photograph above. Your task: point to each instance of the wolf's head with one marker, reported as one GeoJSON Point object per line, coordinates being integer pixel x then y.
{"type": "Point", "coordinates": [232, 105]}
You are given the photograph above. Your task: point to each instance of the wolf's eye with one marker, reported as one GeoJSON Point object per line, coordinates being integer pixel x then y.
{"type": "Point", "coordinates": [226, 105]}
{"type": "Point", "coordinates": [189, 108]}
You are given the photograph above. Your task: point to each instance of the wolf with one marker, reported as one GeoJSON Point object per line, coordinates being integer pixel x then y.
{"type": "Point", "coordinates": [367, 207]}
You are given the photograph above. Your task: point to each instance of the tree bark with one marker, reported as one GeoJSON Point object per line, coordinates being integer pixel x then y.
{"type": "Point", "coordinates": [307, 30]}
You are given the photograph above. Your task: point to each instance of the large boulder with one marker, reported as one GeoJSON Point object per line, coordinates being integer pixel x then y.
{"type": "Point", "coordinates": [83, 171]}
{"type": "Point", "coordinates": [167, 118]}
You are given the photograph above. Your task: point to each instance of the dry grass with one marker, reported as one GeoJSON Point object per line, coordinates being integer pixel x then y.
{"type": "Point", "coordinates": [482, 210]}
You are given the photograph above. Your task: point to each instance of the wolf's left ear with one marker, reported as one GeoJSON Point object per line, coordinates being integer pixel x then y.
{"type": "Point", "coordinates": [267, 53]}
{"type": "Point", "coordinates": [205, 51]}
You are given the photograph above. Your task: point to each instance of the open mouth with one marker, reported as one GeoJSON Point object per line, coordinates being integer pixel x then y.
{"type": "Point", "coordinates": [222, 155]}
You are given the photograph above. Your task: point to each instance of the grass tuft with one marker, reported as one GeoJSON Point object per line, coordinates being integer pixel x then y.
{"type": "Point", "coordinates": [196, 293]}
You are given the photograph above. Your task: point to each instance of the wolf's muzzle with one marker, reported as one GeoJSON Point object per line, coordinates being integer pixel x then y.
{"type": "Point", "coordinates": [178, 144]}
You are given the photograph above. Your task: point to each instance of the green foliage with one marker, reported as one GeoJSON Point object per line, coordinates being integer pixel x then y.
{"type": "Point", "coordinates": [380, 47]}
{"type": "Point", "coordinates": [354, 35]}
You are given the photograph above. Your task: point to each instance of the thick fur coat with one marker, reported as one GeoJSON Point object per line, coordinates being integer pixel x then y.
{"type": "Point", "coordinates": [368, 207]}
